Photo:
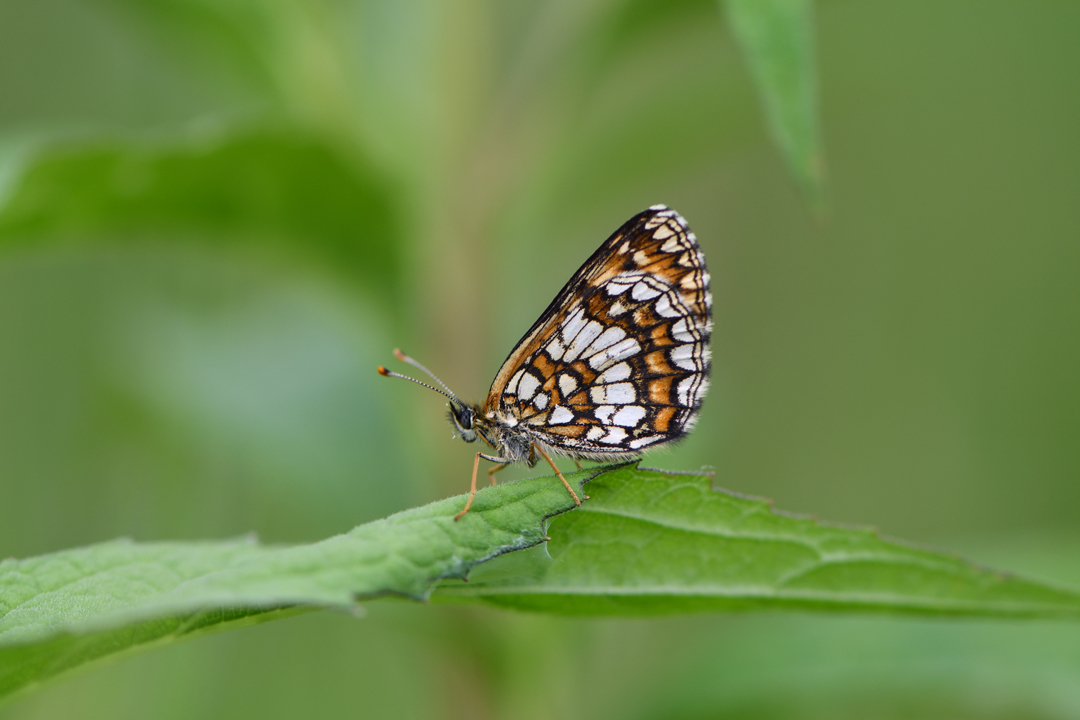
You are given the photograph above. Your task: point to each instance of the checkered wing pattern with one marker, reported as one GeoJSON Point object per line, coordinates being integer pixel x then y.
{"type": "Point", "coordinates": [619, 362]}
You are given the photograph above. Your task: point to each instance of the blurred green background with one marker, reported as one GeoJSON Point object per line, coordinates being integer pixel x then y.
{"type": "Point", "coordinates": [217, 216]}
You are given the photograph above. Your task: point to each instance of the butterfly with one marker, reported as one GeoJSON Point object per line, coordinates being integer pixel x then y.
{"type": "Point", "coordinates": [616, 365]}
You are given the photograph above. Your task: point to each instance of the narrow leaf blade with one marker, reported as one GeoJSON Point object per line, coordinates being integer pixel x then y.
{"type": "Point", "coordinates": [776, 37]}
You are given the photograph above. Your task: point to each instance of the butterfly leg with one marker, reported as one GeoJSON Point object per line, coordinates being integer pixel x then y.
{"type": "Point", "coordinates": [557, 472]}
{"type": "Point", "coordinates": [576, 462]}
{"type": "Point", "coordinates": [472, 487]}
{"type": "Point", "coordinates": [493, 470]}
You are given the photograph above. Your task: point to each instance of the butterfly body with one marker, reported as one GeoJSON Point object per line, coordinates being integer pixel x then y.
{"type": "Point", "coordinates": [499, 430]}
{"type": "Point", "coordinates": [618, 363]}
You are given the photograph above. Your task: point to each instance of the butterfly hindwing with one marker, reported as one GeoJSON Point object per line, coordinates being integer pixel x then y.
{"type": "Point", "coordinates": [619, 362]}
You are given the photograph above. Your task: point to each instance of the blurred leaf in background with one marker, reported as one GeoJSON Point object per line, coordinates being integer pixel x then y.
{"type": "Point", "coordinates": [217, 217]}
{"type": "Point", "coordinates": [777, 37]}
{"type": "Point", "coordinates": [265, 187]}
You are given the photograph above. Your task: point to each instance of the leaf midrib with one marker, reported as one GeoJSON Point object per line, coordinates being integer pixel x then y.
{"type": "Point", "coordinates": [756, 593]}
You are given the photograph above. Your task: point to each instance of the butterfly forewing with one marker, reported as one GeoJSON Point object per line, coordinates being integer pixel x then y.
{"type": "Point", "coordinates": [619, 362]}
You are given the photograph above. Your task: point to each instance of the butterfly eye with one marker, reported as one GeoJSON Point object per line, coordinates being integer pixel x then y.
{"type": "Point", "coordinates": [462, 419]}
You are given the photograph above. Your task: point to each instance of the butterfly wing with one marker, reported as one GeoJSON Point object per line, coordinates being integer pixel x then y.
{"type": "Point", "coordinates": [619, 362]}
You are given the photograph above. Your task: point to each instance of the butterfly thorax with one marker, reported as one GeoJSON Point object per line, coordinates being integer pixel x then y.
{"type": "Point", "coordinates": [500, 430]}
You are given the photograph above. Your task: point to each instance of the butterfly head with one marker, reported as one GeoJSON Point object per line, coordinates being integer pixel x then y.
{"type": "Point", "coordinates": [463, 419]}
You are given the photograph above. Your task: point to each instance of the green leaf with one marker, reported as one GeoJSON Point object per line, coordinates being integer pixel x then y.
{"type": "Point", "coordinates": [269, 187]}
{"type": "Point", "coordinates": [654, 543]}
{"type": "Point", "coordinates": [777, 39]}
{"type": "Point", "coordinates": [66, 609]}
{"type": "Point", "coordinates": [645, 543]}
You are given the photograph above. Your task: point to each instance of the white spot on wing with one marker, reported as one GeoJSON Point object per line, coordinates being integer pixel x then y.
{"type": "Point", "coordinates": [595, 433]}
{"type": "Point", "coordinates": [617, 394]}
{"type": "Point", "coordinates": [615, 435]}
{"type": "Point", "coordinates": [619, 351]}
{"type": "Point", "coordinates": [687, 390]}
{"type": "Point", "coordinates": [608, 338]}
{"type": "Point", "coordinates": [642, 291]}
{"type": "Point", "coordinates": [616, 288]}
{"type": "Point", "coordinates": [511, 387]}
{"type": "Point", "coordinates": [665, 308]}
{"type": "Point", "coordinates": [555, 348]}
{"type": "Point", "coordinates": [691, 259]}
{"type": "Point", "coordinates": [629, 416]}
{"type": "Point", "coordinates": [615, 373]}
{"type": "Point", "coordinates": [684, 260]}
{"type": "Point", "coordinates": [621, 393]}
{"type": "Point", "coordinates": [527, 386]}
{"type": "Point", "coordinates": [572, 325]}
{"type": "Point", "coordinates": [685, 356]}
{"type": "Point", "coordinates": [603, 413]}
{"type": "Point", "coordinates": [685, 330]}
{"type": "Point", "coordinates": [663, 232]}
{"type": "Point", "coordinates": [694, 280]}
{"type": "Point", "coordinates": [541, 401]}
{"type": "Point", "coordinates": [581, 341]}
{"type": "Point", "coordinates": [643, 441]}
{"type": "Point", "coordinates": [673, 244]}
{"type": "Point", "coordinates": [567, 384]}
{"type": "Point", "coordinates": [560, 415]}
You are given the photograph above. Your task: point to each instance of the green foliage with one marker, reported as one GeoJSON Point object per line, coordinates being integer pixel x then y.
{"type": "Point", "coordinates": [271, 188]}
{"type": "Point", "coordinates": [653, 543]}
{"type": "Point", "coordinates": [62, 610]}
{"type": "Point", "coordinates": [777, 37]}
{"type": "Point", "coordinates": [645, 543]}
{"type": "Point", "coordinates": [427, 174]}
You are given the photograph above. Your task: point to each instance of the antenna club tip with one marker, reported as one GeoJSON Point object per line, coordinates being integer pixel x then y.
{"type": "Point", "coordinates": [383, 371]}
{"type": "Point", "coordinates": [399, 355]}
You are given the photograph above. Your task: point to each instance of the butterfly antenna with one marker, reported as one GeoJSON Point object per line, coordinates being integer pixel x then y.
{"type": "Point", "coordinates": [390, 373]}
{"type": "Point", "coordinates": [405, 358]}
